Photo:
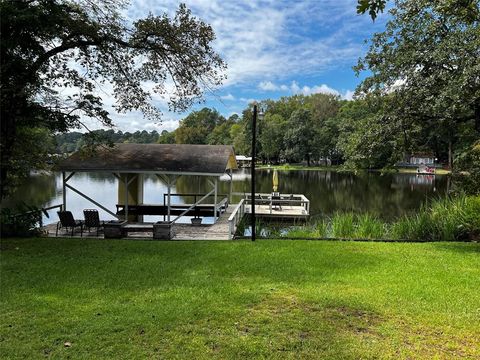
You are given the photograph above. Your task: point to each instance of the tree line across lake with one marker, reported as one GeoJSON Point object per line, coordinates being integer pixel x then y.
{"type": "Point", "coordinates": [315, 129]}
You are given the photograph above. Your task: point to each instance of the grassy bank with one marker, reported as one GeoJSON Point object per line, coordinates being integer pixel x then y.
{"type": "Point", "coordinates": [448, 219]}
{"type": "Point", "coordinates": [230, 300]}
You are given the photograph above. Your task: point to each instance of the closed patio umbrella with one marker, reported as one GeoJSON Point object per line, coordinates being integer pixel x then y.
{"type": "Point", "coordinates": [275, 180]}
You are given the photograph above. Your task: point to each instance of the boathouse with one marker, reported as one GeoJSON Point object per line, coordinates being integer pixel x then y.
{"type": "Point", "coordinates": [130, 162]}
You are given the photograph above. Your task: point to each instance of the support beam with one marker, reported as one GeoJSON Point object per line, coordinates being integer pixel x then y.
{"type": "Point", "coordinates": [192, 206]}
{"type": "Point", "coordinates": [170, 181]}
{"type": "Point", "coordinates": [91, 200]}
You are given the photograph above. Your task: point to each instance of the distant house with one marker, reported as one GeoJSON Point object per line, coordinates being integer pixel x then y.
{"type": "Point", "coordinates": [243, 161]}
{"type": "Point", "coordinates": [422, 159]}
{"type": "Point", "coordinates": [419, 159]}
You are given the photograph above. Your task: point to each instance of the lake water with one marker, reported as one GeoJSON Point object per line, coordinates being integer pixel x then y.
{"type": "Point", "coordinates": [388, 196]}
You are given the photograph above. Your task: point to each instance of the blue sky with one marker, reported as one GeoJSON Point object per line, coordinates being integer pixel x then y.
{"type": "Point", "coordinates": [273, 48]}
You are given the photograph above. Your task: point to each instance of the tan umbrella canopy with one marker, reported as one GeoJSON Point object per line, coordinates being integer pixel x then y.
{"type": "Point", "coordinates": [275, 180]}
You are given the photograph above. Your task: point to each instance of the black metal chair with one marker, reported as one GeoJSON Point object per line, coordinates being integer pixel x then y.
{"type": "Point", "coordinates": [276, 201]}
{"type": "Point", "coordinates": [67, 221]}
{"type": "Point", "coordinates": [92, 220]}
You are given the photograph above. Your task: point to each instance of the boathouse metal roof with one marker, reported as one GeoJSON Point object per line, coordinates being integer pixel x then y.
{"type": "Point", "coordinates": [213, 160]}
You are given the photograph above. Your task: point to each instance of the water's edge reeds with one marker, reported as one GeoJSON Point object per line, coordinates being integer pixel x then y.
{"type": "Point", "coordinates": [454, 218]}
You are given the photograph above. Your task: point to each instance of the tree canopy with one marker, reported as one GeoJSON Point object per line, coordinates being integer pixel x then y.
{"type": "Point", "coordinates": [58, 56]}
{"type": "Point", "coordinates": [426, 67]}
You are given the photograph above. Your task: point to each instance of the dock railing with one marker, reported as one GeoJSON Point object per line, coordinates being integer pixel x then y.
{"type": "Point", "coordinates": [235, 218]}
{"type": "Point", "coordinates": [36, 214]}
{"type": "Point", "coordinates": [298, 200]}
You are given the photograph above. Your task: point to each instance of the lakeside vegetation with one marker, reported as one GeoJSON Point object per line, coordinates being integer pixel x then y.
{"type": "Point", "coordinates": [300, 167]}
{"type": "Point", "coordinates": [453, 218]}
{"type": "Point", "coordinates": [84, 298]}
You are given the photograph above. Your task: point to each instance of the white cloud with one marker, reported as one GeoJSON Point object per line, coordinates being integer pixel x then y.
{"type": "Point", "coordinates": [264, 39]}
{"type": "Point", "coordinates": [260, 38]}
{"type": "Point", "coordinates": [227, 97]}
{"type": "Point", "coordinates": [247, 100]}
{"type": "Point", "coordinates": [295, 88]}
{"type": "Point", "coordinates": [348, 95]}
{"type": "Point", "coordinates": [267, 86]}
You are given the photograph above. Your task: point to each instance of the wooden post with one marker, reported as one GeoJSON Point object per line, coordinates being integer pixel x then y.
{"type": "Point", "coordinates": [126, 197]}
{"type": "Point", "coordinates": [64, 191]}
{"type": "Point", "coordinates": [168, 202]}
{"type": "Point", "coordinates": [231, 187]}
{"type": "Point", "coordinates": [215, 202]}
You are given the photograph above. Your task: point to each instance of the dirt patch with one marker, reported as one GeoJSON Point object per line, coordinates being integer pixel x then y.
{"type": "Point", "coordinates": [355, 320]}
{"type": "Point", "coordinates": [421, 342]}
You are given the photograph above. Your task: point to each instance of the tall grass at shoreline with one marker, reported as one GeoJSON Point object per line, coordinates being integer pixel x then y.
{"type": "Point", "coordinates": [450, 219]}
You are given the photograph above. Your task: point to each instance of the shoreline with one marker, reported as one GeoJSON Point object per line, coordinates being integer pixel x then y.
{"type": "Point", "coordinates": [339, 168]}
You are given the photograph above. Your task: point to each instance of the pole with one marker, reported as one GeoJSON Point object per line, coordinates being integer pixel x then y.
{"type": "Point", "coordinates": [64, 191]}
{"type": "Point", "coordinates": [254, 140]}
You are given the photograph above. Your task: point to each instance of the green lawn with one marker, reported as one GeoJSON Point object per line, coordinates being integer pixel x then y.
{"type": "Point", "coordinates": [269, 299]}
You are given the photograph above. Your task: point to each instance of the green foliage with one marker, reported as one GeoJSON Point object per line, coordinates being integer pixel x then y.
{"type": "Point", "coordinates": [467, 170]}
{"type": "Point", "coordinates": [22, 221]}
{"type": "Point", "coordinates": [372, 6]}
{"type": "Point", "coordinates": [272, 136]}
{"type": "Point", "coordinates": [466, 10]}
{"type": "Point", "coordinates": [197, 126]}
{"type": "Point", "coordinates": [449, 219]}
{"type": "Point", "coordinates": [424, 66]}
{"type": "Point", "coordinates": [364, 140]}
{"type": "Point", "coordinates": [300, 136]}
{"type": "Point", "coordinates": [342, 225]}
{"type": "Point", "coordinates": [369, 227]}
{"type": "Point", "coordinates": [47, 46]}
{"type": "Point", "coordinates": [75, 141]}
{"type": "Point", "coordinates": [33, 146]}
{"type": "Point", "coordinates": [166, 137]}
{"type": "Point", "coordinates": [300, 232]}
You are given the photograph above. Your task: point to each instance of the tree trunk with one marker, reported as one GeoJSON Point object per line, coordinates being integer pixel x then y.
{"type": "Point", "coordinates": [450, 154]}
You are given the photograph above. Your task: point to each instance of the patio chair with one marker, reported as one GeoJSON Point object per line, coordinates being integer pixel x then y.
{"type": "Point", "coordinates": [67, 221]}
{"type": "Point", "coordinates": [92, 220]}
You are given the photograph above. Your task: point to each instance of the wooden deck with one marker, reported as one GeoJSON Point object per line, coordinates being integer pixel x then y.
{"type": "Point", "coordinates": [285, 207]}
{"type": "Point", "coordinates": [217, 231]}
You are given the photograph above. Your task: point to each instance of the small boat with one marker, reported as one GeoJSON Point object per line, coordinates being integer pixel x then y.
{"type": "Point", "coordinates": [425, 170]}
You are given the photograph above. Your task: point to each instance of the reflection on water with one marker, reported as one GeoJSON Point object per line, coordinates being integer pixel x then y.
{"type": "Point", "coordinates": [388, 196]}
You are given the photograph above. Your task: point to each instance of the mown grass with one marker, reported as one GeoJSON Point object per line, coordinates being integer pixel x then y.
{"type": "Point", "coordinates": [449, 219]}
{"type": "Point", "coordinates": [230, 300]}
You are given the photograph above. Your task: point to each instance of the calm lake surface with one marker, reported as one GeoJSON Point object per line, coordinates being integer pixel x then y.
{"type": "Point", "coordinates": [388, 196]}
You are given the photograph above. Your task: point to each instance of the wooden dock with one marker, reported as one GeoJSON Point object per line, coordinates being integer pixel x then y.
{"type": "Point", "coordinates": [285, 207]}
{"type": "Point", "coordinates": [217, 231]}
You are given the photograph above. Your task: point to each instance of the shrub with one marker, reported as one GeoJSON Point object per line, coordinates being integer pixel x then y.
{"type": "Point", "coordinates": [23, 221]}
{"type": "Point", "coordinates": [449, 219]}
{"type": "Point", "coordinates": [369, 227]}
{"type": "Point", "coordinates": [343, 225]}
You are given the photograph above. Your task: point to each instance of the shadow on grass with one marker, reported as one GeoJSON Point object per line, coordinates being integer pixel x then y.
{"type": "Point", "coordinates": [463, 247]}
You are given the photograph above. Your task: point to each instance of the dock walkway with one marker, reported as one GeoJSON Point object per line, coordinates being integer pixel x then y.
{"type": "Point", "coordinates": [217, 231]}
{"type": "Point", "coordinates": [285, 207]}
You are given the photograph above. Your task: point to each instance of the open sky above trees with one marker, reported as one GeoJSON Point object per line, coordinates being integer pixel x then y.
{"type": "Point", "coordinates": [272, 49]}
